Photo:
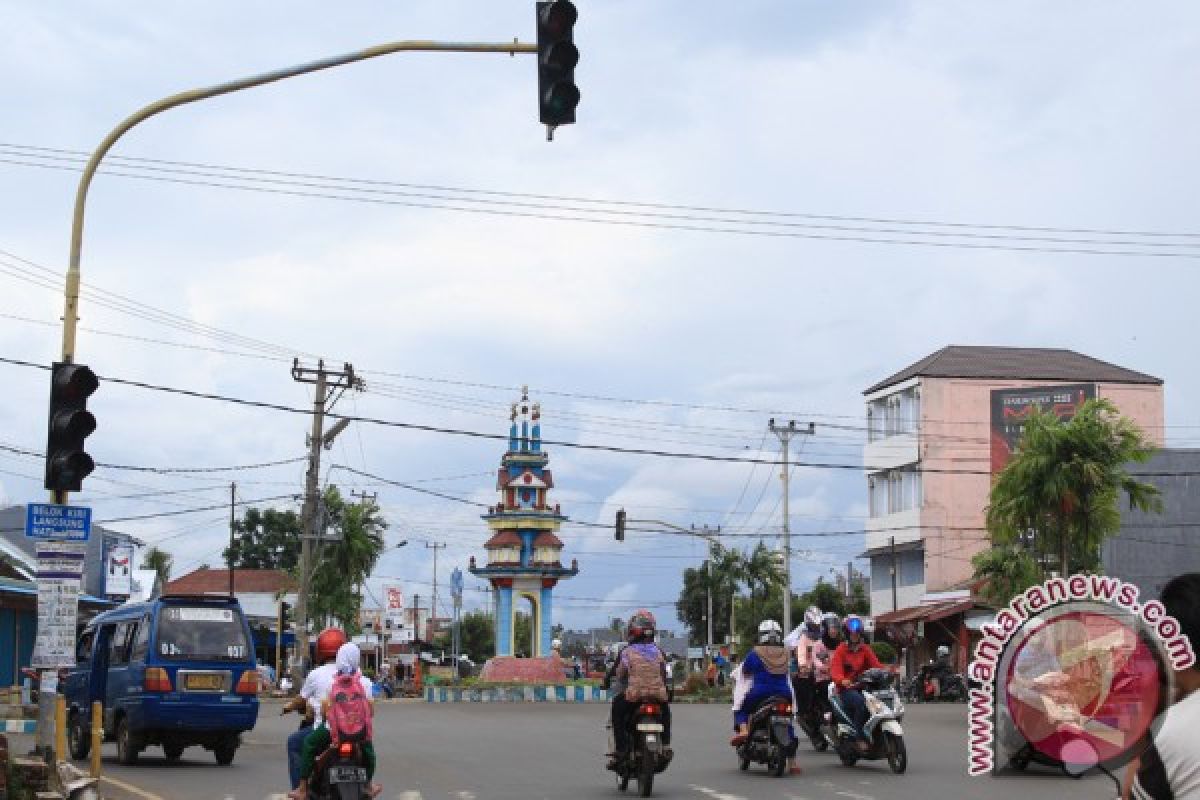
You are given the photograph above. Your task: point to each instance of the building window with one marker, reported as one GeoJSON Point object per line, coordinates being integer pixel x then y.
{"type": "Point", "coordinates": [896, 414]}
{"type": "Point", "coordinates": [893, 491]}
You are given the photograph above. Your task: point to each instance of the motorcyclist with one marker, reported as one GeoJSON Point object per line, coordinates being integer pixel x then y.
{"type": "Point", "coordinates": [852, 658]}
{"type": "Point", "coordinates": [936, 671]}
{"type": "Point", "coordinates": [805, 649]}
{"type": "Point", "coordinates": [316, 686]}
{"type": "Point", "coordinates": [763, 675]}
{"type": "Point", "coordinates": [831, 637]}
{"type": "Point", "coordinates": [637, 674]}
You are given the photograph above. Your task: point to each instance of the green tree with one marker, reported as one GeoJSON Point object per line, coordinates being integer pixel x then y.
{"type": "Point", "coordinates": [859, 603]}
{"type": "Point", "coordinates": [1066, 479]}
{"type": "Point", "coordinates": [826, 597]}
{"type": "Point", "coordinates": [1007, 570]}
{"type": "Point", "coordinates": [477, 636]}
{"type": "Point", "coordinates": [724, 580]}
{"type": "Point", "coordinates": [524, 631]}
{"type": "Point", "coordinates": [343, 565]}
{"type": "Point", "coordinates": [267, 539]}
{"type": "Point", "coordinates": [160, 561]}
{"type": "Point", "coordinates": [762, 576]}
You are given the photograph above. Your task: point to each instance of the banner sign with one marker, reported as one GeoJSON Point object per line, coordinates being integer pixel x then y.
{"type": "Point", "coordinates": [1011, 407]}
{"type": "Point", "coordinates": [64, 523]}
{"type": "Point", "coordinates": [60, 560]}
{"type": "Point", "coordinates": [394, 596]}
{"type": "Point", "coordinates": [118, 570]}
{"type": "Point", "coordinates": [58, 609]}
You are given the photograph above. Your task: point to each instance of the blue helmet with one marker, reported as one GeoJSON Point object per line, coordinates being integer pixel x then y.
{"type": "Point", "coordinates": [853, 624]}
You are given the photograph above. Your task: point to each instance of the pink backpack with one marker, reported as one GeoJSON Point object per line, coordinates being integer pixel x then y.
{"type": "Point", "coordinates": [349, 717]}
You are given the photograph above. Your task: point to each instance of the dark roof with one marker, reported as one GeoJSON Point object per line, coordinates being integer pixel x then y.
{"type": "Point", "coordinates": [1015, 363]}
{"type": "Point", "coordinates": [216, 581]}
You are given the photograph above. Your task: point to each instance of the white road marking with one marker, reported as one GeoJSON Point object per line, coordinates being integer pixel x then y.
{"type": "Point", "coordinates": [714, 794]}
{"type": "Point", "coordinates": [465, 795]}
{"type": "Point", "coordinates": [410, 795]}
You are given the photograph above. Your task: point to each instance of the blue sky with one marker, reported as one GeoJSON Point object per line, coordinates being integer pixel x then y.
{"type": "Point", "coordinates": [1079, 115]}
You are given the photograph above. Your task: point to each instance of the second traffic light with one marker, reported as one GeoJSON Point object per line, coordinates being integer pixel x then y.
{"type": "Point", "coordinates": [557, 57]}
{"type": "Point", "coordinates": [621, 525]}
{"type": "Point", "coordinates": [70, 423]}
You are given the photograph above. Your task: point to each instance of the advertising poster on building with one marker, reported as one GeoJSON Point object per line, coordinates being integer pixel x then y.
{"type": "Point", "coordinates": [394, 597]}
{"type": "Point", "coordinates": [118, 569]}
{"type": "Point", "coordinates": [1011, 407]}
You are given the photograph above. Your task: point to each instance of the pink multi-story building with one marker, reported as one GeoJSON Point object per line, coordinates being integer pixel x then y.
{"type": "Point", "coordinates": [935, 430]}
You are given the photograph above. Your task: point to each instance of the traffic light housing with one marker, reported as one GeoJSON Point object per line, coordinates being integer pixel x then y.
{"type": "Point", "coordinates": [621, 525]}
{"type": "Point", "coordinates": [67, 464]}
{"type": "Point", "coordinates": [557, 56]}
{"type": "Point", "coordinates": [285, 613]}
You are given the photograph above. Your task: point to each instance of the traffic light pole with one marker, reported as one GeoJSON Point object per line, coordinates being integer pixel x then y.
{"type": "Point", "coordinates": [71, 287]}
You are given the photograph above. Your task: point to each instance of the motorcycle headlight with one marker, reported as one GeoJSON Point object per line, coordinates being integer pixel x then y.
{"type": "Point", "coordinates": [874, 706]}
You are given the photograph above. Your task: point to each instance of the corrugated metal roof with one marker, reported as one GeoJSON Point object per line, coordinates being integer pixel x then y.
{"type": "Point", "coordinates": [1014, 363]}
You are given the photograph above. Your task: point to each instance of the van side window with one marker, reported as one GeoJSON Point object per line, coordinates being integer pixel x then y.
{"type": "Point", "coordinates": [141, 641]}
{"type": "Point", "coordinates": [83, 650]}
{"type": "Point", "coordinates": [119, 651]}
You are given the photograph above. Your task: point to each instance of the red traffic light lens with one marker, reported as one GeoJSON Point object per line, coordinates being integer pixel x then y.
{"type": "Point", "coordinates": [75, 382]}
{"type": "Point", "coordinates": [558, 17]}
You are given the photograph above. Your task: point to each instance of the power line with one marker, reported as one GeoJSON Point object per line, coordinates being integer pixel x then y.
{"type": "Point", "coordinates": [167, 470]}
{"type": "Point", "coordinates": [155, 169]}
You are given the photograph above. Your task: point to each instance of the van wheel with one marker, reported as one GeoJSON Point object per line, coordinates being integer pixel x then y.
{"type": "Point", "coordinates": [80, 739]}
{"type": "Point", "coordinates": [127, 743]}
{"type": "Point", "coordinates": [225, 751]}
{"type": "Point", "coordinates": [172, 751]}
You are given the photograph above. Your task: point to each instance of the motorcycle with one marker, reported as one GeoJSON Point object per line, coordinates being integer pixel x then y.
{"type": "Point", "coordinates": [770, 741]}
{"type": "Point", "coordinates": [885, 737]}
{"type": "Point", "coordinates": [647, 756]}
{"type": "Point", "coordinates": [340, 774]}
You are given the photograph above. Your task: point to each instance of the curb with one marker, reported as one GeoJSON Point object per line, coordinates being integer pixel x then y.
{"type": "Point", "coordinates": [19, 726]}
{"type": "Point", "coordinates": [518, 694]}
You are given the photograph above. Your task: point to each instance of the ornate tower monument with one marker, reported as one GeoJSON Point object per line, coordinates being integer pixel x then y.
{"type": "Point", "coordinates": [524, 552]}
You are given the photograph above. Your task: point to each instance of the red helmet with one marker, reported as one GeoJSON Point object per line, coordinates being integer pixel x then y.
{"type": "Point", "coordinates": [328, 643]}
{"type": "Point", "coordinates": [641, 626]}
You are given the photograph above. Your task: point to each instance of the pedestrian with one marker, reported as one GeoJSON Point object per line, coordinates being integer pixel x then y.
{"type": "Point", "coordinates": [711, 674]}
{"type": "Point", "coordinates": [1169, 767]}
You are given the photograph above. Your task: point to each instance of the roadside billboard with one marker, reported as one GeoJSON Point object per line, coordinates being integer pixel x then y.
{"type": "Point", "coordinates": [1011, 407]}
{"type": "Point", "coordinates": [394, 600]}
{"type": "Point", "coordinates": [118, 569]}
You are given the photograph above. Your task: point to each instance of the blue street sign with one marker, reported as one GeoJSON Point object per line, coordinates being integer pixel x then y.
{"type": "Point", "coordinates": [63, 523]}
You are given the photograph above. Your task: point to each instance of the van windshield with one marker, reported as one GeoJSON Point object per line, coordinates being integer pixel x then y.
{"type": "Point", "coordinates": [198, 633]}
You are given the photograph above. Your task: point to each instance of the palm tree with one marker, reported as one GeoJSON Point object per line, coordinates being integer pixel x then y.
{"type": "Point", "coordinates": [1066, 479]}
{"type": "Point", "coordinates": [762, 573]}
{"type": "Point", "coordinates": [160, 561]}
{"type": "Point", "coordinates": [346, 563]}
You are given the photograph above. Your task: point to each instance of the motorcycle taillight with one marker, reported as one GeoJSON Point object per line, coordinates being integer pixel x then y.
{"type": "Point", "coordinates": [346, 749]}
{"type": "Point", "coordinates": [783, 708]}
{"type": "Point", "coordinates": [649, 709]}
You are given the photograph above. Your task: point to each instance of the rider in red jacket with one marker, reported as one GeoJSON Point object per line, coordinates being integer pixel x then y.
{"type": "Point", "coordinates": [852, 658]}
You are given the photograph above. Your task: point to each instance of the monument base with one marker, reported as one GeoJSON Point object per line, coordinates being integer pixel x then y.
{"type": "Point", "coordinates": [510, 669]}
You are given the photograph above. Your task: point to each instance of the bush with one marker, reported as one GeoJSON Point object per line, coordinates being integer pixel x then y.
{"type": "Point", "coordinates": [884, 652]}
{"type": "Point", "coordinates": [695, 684]}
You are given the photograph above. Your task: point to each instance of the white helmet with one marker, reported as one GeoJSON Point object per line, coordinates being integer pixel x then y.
{"type": "Point", "coordinates": [556, 644]}
{"type": "Point", "coordinates": [769, 632]}
{"type": "Point", "coordinates": [812, 620]}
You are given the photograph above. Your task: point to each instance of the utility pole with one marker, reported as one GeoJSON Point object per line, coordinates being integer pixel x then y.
{"type": "Point", "coordinates": [709, 535]}
{"type": "Point", "coordinates": [895, 603]}
{"type": "Point", "coordinates": [327, 382]}
{"type": "Point", "coordinates": [232, 526]}
{"type": "Point", "coordinates": [434, 546]}
{"type": "Point", "coordinates": [785, 434]}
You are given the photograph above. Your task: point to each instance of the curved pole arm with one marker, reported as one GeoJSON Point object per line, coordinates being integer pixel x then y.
{"type": "Point", "coordinates": [70, 313]}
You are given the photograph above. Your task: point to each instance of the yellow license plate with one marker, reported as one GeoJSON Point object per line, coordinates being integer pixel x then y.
{"type": "Point", "coordinates": [204, 683]}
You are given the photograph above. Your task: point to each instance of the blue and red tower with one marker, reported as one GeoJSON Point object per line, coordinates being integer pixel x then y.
{"type": "Point", "coordinates": [524, 552]}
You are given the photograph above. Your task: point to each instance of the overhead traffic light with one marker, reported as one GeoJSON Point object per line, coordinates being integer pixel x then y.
{"type": "Point", "coordinates": [70, 423]}
{"type": "Point", "coordinates": [285, 613]}
{"type": "Point", "coordinates": [557, 57]}
{"type": "Point", "coordinates": [621, 525]}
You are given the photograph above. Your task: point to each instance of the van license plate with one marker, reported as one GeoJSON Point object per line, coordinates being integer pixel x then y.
{"type": "Point", "coordinates": [347, 775]}
{"type": "Point", "coordinates": [203, 683]}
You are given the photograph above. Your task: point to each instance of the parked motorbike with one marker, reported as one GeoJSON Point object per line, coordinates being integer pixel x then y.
{"type": "Point", "coordinates": [770, 741]}
{"type": "Point", "coordinates": [885, 736]}
{"type": "Point", "coordinates": [647, 755]}
{"type": "Point", "coordinates": [340, 774]}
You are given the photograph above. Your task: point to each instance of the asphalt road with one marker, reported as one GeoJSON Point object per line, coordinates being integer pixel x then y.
{"type": "Point", "coordinates": [527, 751]}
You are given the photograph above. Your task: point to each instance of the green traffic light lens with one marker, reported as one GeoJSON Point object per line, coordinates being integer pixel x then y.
{"type": "Point", "coordinates": [562, 97]}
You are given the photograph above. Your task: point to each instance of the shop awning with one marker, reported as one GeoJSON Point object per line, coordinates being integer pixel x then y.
{"type": "Point", "coordinates": [928, 612]}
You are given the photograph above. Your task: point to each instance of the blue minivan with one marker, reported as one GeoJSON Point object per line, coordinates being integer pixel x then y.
{"type": "Point", "coordinates": [176, 671]}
